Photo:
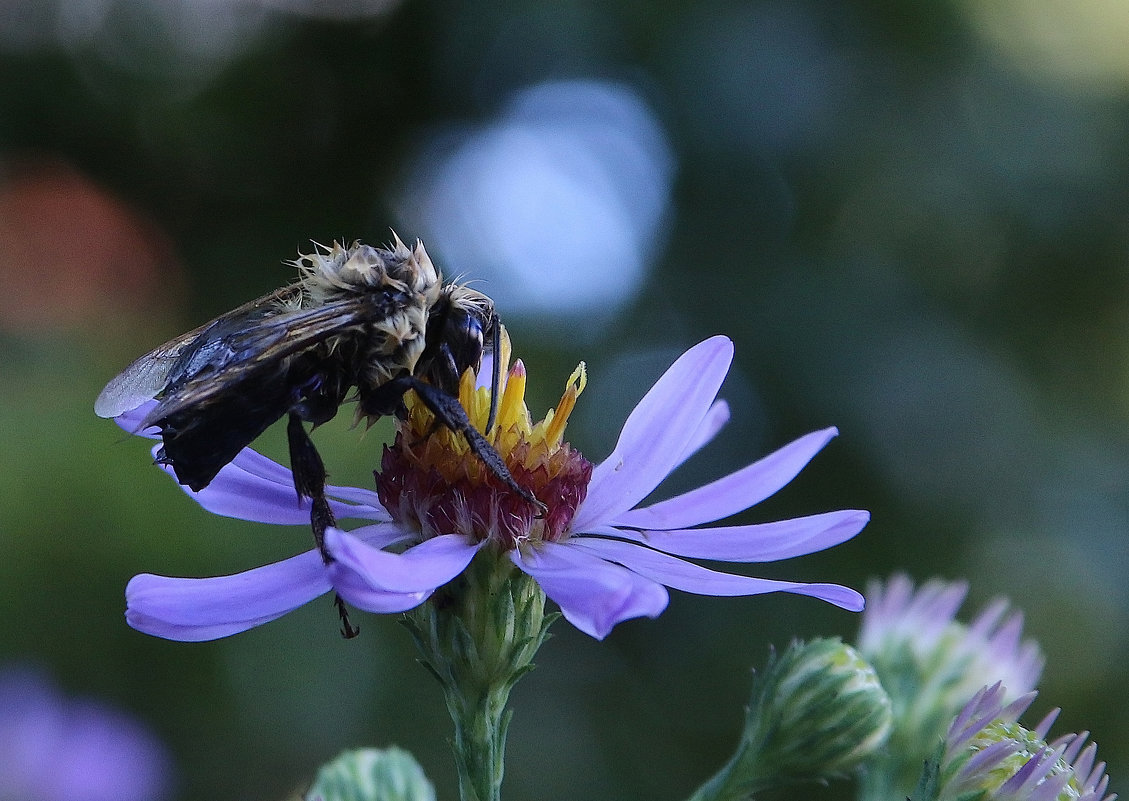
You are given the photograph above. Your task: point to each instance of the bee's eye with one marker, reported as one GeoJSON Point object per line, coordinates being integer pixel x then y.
{"type": "Point", "coordinates": [464, 338]}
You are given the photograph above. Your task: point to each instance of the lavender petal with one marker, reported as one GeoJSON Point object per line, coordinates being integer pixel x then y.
{"type": "Point", "coordinates": [253, 487]}
{"type": "Point", "coordinates": [713, 422]}
{"type": "Point", "coordinates": [196, 609]}
{"type": "Point", "coordinates": [688, 577]}
{"type": "Point", "coordinates": [593, 594]}
{"type": "Point", "coordinates": [131, 421]}
{"type": "Point", "coordinates": [354, 590]}
{"type": "Point", "coordinates": [657, 432]}
{"type": "Point", "coordinates": [732, 493]}
{"type": "Point", "coordinates": [758, 542]}
{"type": "Point", "coordinates": [421, 568]}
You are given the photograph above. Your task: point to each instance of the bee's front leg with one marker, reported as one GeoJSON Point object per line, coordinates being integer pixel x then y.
{"type": "Point", "coordinates": [450, 413]}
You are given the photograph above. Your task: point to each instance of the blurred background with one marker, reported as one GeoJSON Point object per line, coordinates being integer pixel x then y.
{"type": "Point", "coordinates": [912, 218]}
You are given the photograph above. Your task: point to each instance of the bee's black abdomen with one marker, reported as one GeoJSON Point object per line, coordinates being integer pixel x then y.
{"type": "Point", "coordinates": [200, 441]}
{"type": "Point", "coordinates": [200, 438]}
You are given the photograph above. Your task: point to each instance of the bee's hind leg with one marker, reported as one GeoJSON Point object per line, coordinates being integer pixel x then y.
{"type": "Point", "coordinates": [309, 482]}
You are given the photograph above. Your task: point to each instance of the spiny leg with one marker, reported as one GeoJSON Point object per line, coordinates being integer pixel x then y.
{"type": "Point", "coordinates": [450, 412]}
{"type": "Point", "coordinates": [309, 482]}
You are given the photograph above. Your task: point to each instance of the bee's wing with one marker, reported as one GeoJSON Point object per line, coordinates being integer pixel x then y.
{"type": "Point", "coordinates": [148, 376]}
{"type": "Point", "coordinates": [225, 356]}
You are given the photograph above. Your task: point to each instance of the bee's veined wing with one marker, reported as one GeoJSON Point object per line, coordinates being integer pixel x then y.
{"type": "Point", "coordinates": [148, 376]}
{"type": "Point", "coordinates": [226, 358]}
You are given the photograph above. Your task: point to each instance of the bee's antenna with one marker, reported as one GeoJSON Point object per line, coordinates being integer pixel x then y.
{"type": "Point", "coordinates": [496, 377]}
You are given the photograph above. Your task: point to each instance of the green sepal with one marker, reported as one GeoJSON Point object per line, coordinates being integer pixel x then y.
{"type": "Point", "coordinates": [478, 636]}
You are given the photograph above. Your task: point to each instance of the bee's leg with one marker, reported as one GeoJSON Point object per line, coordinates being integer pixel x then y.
{"type": "Point", "coordinates": [446, 368]}
{"type": "Point", "coordinates": [446, 374]}
{"type": "Point", "coordinates": [309, 482]}
{"type": "Point", "coordinates": [496, 372]}
{"type": "Point", "coordinates": [450, 412]}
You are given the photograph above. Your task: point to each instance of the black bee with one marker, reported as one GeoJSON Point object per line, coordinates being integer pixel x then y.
{"type": "Point", "coordinates": [379, 320]}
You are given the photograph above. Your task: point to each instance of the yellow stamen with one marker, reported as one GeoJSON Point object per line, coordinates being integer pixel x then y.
{"type": "Point", "coordinates": [511, 410]}
{"type": "Point", "coordinates": [513, 425]}
{"type": "Point", "coordinates": [557, 419]}
{"type": "Point", "coordinates": [465, 498]}
{"type": "Point", "coordinates": [503, 358]}
{"type": "Point", "coordinates": [468, 398]}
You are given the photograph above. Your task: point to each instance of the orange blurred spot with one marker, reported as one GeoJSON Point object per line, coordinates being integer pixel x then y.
{"type": "Point", "coordinates": [72, 255]}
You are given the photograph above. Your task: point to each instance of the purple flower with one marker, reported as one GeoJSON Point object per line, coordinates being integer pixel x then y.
{"type": "Point", "coordinates": [931, 664]}
{"type": "Point", "coordinates": [58, 749]}
{"type": "Point", "coordinates": [989, 755]}
{"type": "Point", "coordinates": [594, 551]}
{"type": "Point", "coordinates": [959, 658]}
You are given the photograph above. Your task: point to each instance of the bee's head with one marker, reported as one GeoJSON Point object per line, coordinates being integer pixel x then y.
{"type": "Point", "coordinates": [459, 326]}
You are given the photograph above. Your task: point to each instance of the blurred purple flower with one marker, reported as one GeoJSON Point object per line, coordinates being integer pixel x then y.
{"type": "Point", "coordinates": [598, 555]}
{"type": "Point", "coordinates": [931, 664]}
{"type": "Point", "coordinates": [960, 657]}
{"type": "Point", "coordinates": [57, 749]}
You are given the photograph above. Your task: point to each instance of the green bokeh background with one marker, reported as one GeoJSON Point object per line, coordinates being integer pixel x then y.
{"type": "Point", "coordinates": [925, 241]}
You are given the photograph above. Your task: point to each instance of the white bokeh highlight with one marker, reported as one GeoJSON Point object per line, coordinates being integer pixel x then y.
{"type": "Point", "coordinates": [556, 205]}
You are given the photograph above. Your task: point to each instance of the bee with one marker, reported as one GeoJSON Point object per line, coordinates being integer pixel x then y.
{"type": "Point", "coordinates": [374, 321]}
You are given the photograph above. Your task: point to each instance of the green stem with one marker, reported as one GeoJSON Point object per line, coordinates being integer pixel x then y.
{"type": "Point", "coordinates": [478, 636]}
{"type": "Point", "coordinates": [735, 782]}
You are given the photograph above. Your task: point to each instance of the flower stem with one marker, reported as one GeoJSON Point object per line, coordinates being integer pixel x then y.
{"type": "Point", "coordinates": [478, 636]}
{"type": "Point", "coordinates": [735, 782]}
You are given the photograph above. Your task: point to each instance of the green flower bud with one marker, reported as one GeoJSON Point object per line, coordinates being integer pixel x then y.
{"type": "Point", "coordinates": [817, 711]}
{"type": "Point", "coordinates": [821, 711]}
{"type": "Point", "coordinates": [372, 774]}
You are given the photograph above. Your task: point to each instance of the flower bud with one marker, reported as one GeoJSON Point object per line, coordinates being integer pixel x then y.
{"type": "Point", "coordinates": [821, 711]}
{"type": "Point", "coordinates": [817, 711]}
{"type": "Point", "coordinates": [372, 774]}
{"type": "Point", "coordinates": [932, 664]}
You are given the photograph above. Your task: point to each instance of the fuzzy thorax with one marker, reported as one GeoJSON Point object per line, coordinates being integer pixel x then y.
{"type": "Point", "coordinates": [402, 282]}
{"type": "Point", "coordinates": [328, 274]}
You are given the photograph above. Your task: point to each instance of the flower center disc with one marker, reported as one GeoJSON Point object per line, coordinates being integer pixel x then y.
{"type": "Point", "coordinates": [430, 480]}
